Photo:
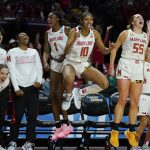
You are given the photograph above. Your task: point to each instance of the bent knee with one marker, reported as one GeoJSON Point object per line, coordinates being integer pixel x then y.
{"type": "Point", "coordinates": [105, 84]}
{"type": "Point", "coordinates": [69, 78]}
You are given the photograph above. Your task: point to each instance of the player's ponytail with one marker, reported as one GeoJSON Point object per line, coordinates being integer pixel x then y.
{"type": "Point", "coordinates": [130, 26]}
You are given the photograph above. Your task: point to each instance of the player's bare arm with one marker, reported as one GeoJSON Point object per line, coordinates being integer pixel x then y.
{"type": "Point", "coordinates": [67, 31]}
{"type": "Point", "coordinates": [148, 29]}
{"type": "Point", "coordinates": [71, 39]}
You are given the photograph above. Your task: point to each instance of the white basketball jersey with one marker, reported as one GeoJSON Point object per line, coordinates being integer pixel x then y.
{"type": "Point", "coordinates": [146, 87]}
{"type": "Point", "coordinates": [2, 56]}
{"type": "Point", "coordinates": [57, 41]}
{"type": "Point", "coordinates": [135, 46]}
{"type": "Point", "coordinates": [82, 48]}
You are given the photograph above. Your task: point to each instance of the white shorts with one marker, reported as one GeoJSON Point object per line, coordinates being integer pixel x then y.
{"type": "Point", "coordinates": [144, 105]}
{"type": "Point", "coordinates": [79, 67]}
{"type": "Point", "coordinates": [56, 66]}
{"type": "Point", "coordinates": [130, 69]}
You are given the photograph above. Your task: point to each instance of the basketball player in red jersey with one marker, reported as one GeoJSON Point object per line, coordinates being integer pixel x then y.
{"type": "Point", "coordinates": [55, 40]}
{"type": "Point", "coordinates": [129, 74]}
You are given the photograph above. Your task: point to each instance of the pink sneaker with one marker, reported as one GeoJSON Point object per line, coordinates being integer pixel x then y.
{"type": "Point", "coordinates": [58, 134]}
{"type": "Point", "coordinates": [67, 129]}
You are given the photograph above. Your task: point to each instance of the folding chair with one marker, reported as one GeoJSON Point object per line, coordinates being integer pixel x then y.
{"type": "Point", "coordinates": [96, 105]}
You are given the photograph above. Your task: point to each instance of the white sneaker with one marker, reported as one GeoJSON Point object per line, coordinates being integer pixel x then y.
{"type": "Point", "coordinates": [1, 148]}
{"type": "Point", "coordinates": [136, 148]}
{"type": "Point", "coordinates": [145, 147]}
{"type": "Point", "coordinates": [67, 102]}
{"type": "Point", "coordinates": [12, 145]}
{"type": "Point", "coordinates": [92, 89]}
{"type": "Point", "coordinates": [27, 146]}
{"type": "Point", "coordinates": [77, 98]}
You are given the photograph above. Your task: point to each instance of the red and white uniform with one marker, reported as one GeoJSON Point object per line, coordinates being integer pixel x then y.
{"type": "Point", "coordinates": [57, 41]}
{"type": "Point", "coordinates": [144, 102]}
{"type": "Point", "coordinates": [130, 65]}
{"type": "Point", "coordinates": [24, 66]}
{"type": "Point", "coordinates": [80, 52]}
{"type": "Point", "coordinates": [134, 46]}
{"type": "Point", "coordinates": [2, 56]}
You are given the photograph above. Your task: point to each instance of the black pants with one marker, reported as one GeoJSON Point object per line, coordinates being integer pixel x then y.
{"type": "Point", "coordinates": [28, 103]}
{"type": "Point", "coordinates": [3, 106]}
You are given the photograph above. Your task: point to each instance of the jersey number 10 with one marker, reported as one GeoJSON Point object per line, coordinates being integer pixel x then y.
{"type": "Point", "coordinates": [84, 51]}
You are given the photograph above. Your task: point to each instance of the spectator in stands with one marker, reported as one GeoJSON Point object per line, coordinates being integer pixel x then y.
{"type": "Point", "coordinates": [65, 4]}
{"type": "Point", "coordinates": [129, 75]}
{"type": "Point", "coordinates": [57, 7]}
{"type": "Point", "coordinates": [77, 51]}
{"type": "Point", "coordinates": [97, 58]}
{"type": "Point", "coordinates": [55, 41]}
{"type": "Point", "coordinates": [26, 75]}
{"type": "Point", "coordinates": [11, 44]}
{"type": "Point", "coordinates": [144, 105]}
{"type": "Point", "coordinates": [37, 44]}
{"type": "Point", "coordinates": [85, 8]}
{"type": "Point", "coordinates": [4, 90]}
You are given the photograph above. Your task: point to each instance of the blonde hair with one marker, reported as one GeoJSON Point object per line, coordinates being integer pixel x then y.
{"type": "Point", "coordinates": [130, 26]}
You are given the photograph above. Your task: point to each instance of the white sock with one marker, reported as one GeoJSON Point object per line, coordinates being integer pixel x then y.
{"type": "Point", "coordinates": [69, 94]}
{"type": "Point", "coordinates": [92, 89]}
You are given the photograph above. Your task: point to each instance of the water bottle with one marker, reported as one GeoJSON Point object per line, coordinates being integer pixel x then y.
{"type": "Point", "coordinates": [112, 81]}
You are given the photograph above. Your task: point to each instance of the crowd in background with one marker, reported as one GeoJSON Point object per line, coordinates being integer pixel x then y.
{"type": "Point", "coordinates": [38, 10]}
{"type": "Point", "coordinates": [30, 16]}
